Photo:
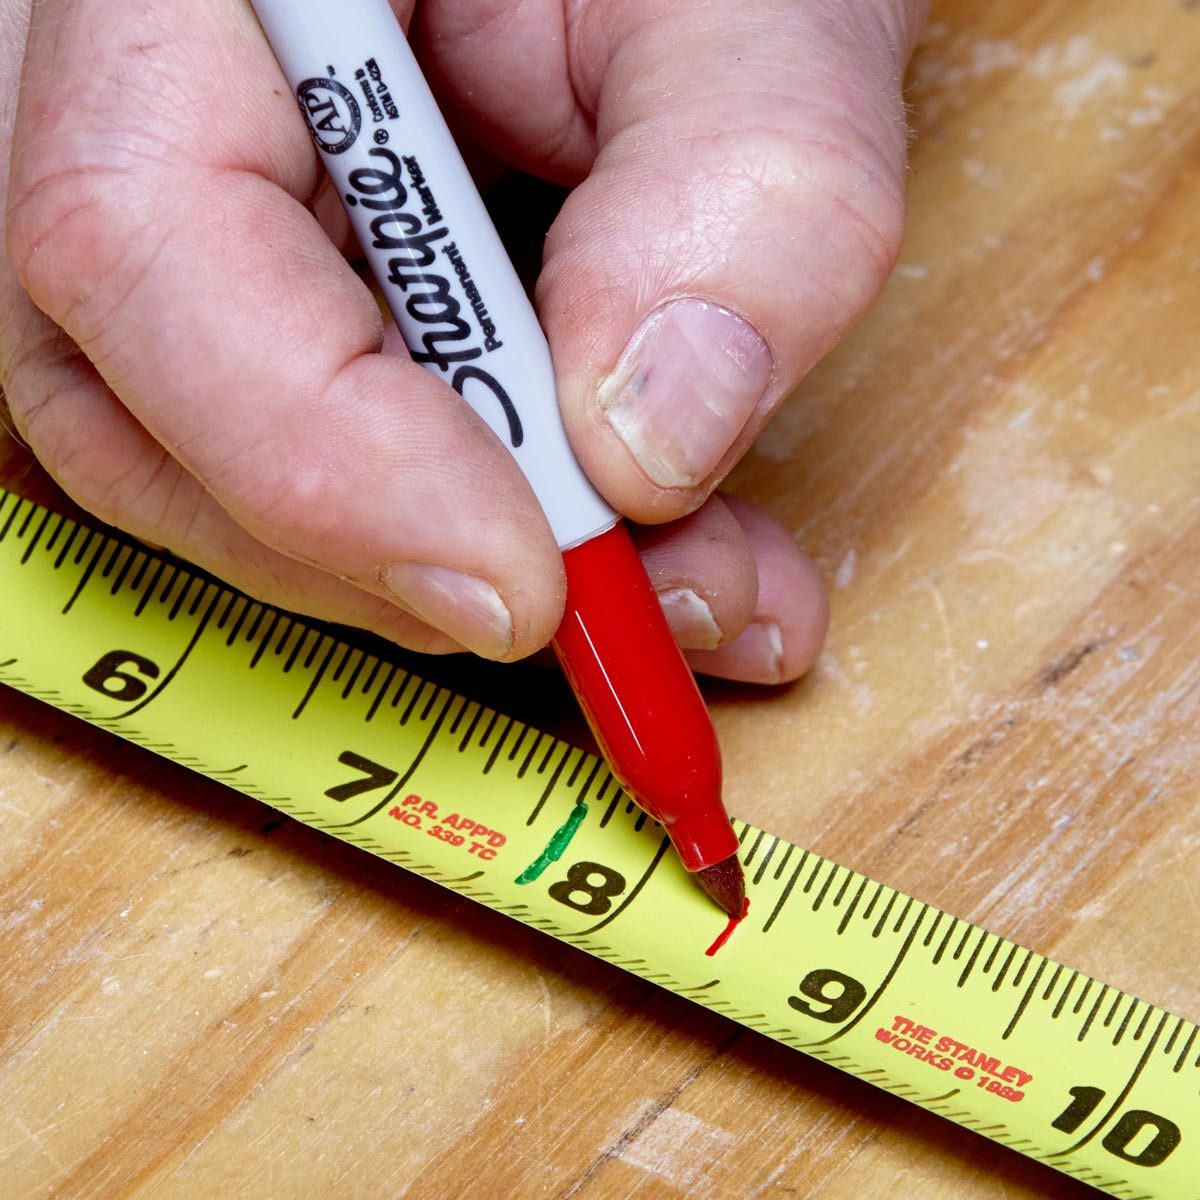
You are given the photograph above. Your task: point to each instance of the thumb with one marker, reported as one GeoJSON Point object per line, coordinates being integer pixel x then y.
{"type": "Point", "coordinates": [744, 209]}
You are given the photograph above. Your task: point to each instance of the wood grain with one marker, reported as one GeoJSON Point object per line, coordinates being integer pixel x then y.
{"type": "Point", "coordinates": [998, 473]}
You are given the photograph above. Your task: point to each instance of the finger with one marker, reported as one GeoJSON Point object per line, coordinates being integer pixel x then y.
{"type": "Point", "coordinates": [791, 616]}
{"type": "Point", "coordinates": [109, 465]}
{"type": "Point", "coordinates": [502, 73]}
{"type": "Point", "coordinates": [189, 271]}
{"type": "Point", "coordinates": [744, 209]}
{"type": "Point", "coordinates": [704, 571]}
{"type": "Point", "coordinates": [331, 216]}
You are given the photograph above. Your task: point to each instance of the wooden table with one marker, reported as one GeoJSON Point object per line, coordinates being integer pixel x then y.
{"type": "Point", "coordinates": [998, 475]}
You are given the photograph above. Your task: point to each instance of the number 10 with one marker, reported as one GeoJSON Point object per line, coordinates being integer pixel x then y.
{"type": "Point", "coordinates": [1117, 1140]}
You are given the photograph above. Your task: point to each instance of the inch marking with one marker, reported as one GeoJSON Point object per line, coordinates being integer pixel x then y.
{"type": "Point", "coordinates": [887, 979]}
{"type": "Point", "coordinates": [787, 891]}
{"type": "Point", "coordinates": [87, 574]}
{"type": "Point", "coordinates": [33, 541]}
{"type": "Point", "coordinates": [845, 921]}
{"type": "Point", "coordinates": [317, 675]}
{"type": "Point", "coordinates": [762, 833]}
{"type": "Point", "coordinates": [11, 516]}
{"type": "Point", "coordinates": [1133, 1003]}
{"type": "Point", "coordinates": [491, 761]}
{"type": "Point", "coordinates": [1092, 1015]}
{"type": "Point", "coordinates": [1020, 1009]}
{"type": "Point", "coordinates": [1184, 1052]}
{"type": "Point", "coordinates": [937, 954]}
{"type": "Point", "coordinates": [466, 737]}
{"type": "Point", "coordinates": [883, 916]}
{"type": "Point", "coordinates": [637, 887]}
{"type": "Point", "coordinates": [524, 767]}
{"type": "Point", "coordinates": [25, 523]}
{"type": "Point", "coordinates": [820, 896]}
{"type": "Point", "coordinates": [1008, 963]}
{"type": "Point", "coordinates": [430, 738]}
{"type": "Point", "coordinates": [381, 693]}
{"type": "Point", "coordinates": [66, 547]}
{"type": "Point", "coordinates": [812, 878]}
{"type": "Point", "coordinates": [1115, 1107]}
{"type": "Point", "coordinates": [966, 971]}
{"type": "Point", "coordinates": [537, 808]}
{"type": "Point", "coordinates": [783, 862]}
{"type": "Point", "coordinates": [488, 731]}
{"type": "Point", "coordinates": [62, 524]}
{"type": "Point", "coordinates": [766, 861]}
{"type": "Point", "coordinates": [201, 625]}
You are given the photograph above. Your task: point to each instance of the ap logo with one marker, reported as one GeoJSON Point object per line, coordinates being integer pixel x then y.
{"type": "Point", "coordinates": [332, 113]}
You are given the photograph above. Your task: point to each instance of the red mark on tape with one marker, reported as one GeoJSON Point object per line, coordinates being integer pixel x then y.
{"type": "Point", "coordinates": [727, 932]}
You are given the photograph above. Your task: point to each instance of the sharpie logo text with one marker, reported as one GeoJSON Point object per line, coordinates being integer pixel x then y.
{"type": "Point", "coordinates": [406, 224]}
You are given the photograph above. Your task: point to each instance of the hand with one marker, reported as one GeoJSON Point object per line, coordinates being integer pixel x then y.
{"type": "Point", "coordinates": [191, 357]}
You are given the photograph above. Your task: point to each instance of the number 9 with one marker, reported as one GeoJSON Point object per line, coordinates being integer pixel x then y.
{"type": "Point", "coordinates": [839, 994]}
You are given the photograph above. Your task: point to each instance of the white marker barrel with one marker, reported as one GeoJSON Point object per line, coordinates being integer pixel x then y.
{"type": "Point", "coordinates": [446, 276]}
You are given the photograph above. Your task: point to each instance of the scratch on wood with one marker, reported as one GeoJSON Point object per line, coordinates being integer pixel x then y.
{"type": "Point", "coordinates": [1057, 670]}
{"type": "Point", "coordinates": [981, 747]}
{"type": "Point", "coordinates": [656, 1110]}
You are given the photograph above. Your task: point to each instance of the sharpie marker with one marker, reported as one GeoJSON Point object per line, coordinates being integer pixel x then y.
{"type": "Point", "coordinates": [464, 315]}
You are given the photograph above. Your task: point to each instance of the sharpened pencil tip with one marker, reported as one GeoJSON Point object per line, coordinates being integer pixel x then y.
{"type": "Point", "coordinates": [725, 883]}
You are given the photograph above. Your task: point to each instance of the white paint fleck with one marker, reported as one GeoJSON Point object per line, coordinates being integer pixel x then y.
{"type": "Point", "coordinates": [1150, 114]}
{"type": "Point", "coordinates": [679, 1147]}
{"type": "Point", "coordinates": [1105, 74]}
{"type": "Point", "coordinates": [19, 916]}
{"type": "Point", "coordinates": [110, 985]}
{"type": "Point", "coordinates": [845, 572]}
{"type": "Point", "coordinates": [1054, 59]}
{"type": "Point", "coordinates": [912, 271]}
{"type": "Point", "coordinates": [213, 973]}
{"type": "Point", "coordinates": [1096, 268]}
{"type": "Point", "coordinates": [982, 643]}
{"type": "Point", "coordinates": [991, 55]}
{"type": "Point", "coordinates": [982, 174]}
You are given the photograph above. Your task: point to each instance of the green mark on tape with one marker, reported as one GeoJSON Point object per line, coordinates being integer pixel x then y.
{"type": "Point", "coordinates": [556, 845]}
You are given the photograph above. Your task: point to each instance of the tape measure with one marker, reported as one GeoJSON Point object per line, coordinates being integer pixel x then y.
{"type": "Point", "coordinates": [1041, 1058]}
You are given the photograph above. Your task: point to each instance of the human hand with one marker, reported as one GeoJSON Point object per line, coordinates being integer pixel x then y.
{"type": "Point", "coordinates": [191, 357]}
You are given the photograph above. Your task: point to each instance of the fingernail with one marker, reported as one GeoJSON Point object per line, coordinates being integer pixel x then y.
{"type": "Point", "coordinates": [755, 656]}
{"type": "Point", "coordinates": [464, 606]}
{"type": "Point", "coordinates": [691, 619]}
{"type": "Point", "coordinates": [759, 650]}
{"type": "Point", "coordinates": [684, 388]}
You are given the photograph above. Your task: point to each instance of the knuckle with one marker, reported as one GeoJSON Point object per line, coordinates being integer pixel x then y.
{"type": "Point", "coordinates": [280, 495]}
{"type": "Point", "coordinates": [840, 179]}
{"type": "Point", "coordinates": [60, 222]}
{"type": "Point", "coordinates": [815, 195]}
{"type": "Point", "coordinates": [146, 487]}
{"type": "Point", "coordinates": [37, 397]}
